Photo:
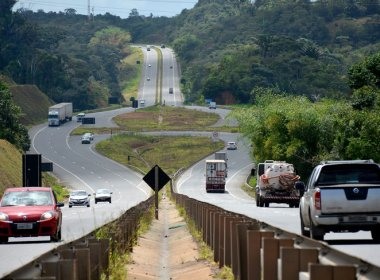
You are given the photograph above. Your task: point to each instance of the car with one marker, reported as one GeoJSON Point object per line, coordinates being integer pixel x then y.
{"type": "Point", "coordinates": [148, 79]}
{"type": "Point", "coordinates": [341, 196]}
{"type": "Point", "coordinates": [162, 46]}
{"type": "Point", "coordinates": [142, 103]}
{"type": "Point", "coordinates": [30, 212]}
{"type": "Point", "coordinates": [87, 138]}
{"type": "Point", "coordinates": [103, 195]}
{"type": "Point", "coordinates": [80, 116]}
{"type": "Point", "coordinates": [79, 198]}
{"type": "Point", "coordinates": [171, 91]}
{"type": "Point", "coordinates": [149, 65]}
{"type": "Point", "coordinates": [231, 146]}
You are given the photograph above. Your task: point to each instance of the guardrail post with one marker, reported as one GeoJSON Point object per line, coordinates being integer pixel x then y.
{"type": "Point", "coordinates": [240, 265]}
{"type": "Point", "coordinates": [254, 240]}
{"type": "Point", "coordinates": [271, 251]}
{"type": "Point", "coordinates": [95, 257]}
{"type": "Point", "coordinates": [216, 235]}
{"type": "Point", "coordinates": [329, 272]}
{"type": "Point", "coordinates": [61, 269]}
{"type": "Point", "coordinates": [227, 239]}
{"type": "Point", "coordinates": [294, 260]}
{"type": "Point", "coordinates": [82, 256]}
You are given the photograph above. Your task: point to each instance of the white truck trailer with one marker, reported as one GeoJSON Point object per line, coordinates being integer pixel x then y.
{"type": "Point", "coordinates": [60, 113]}
{"type": "Point", "coordinates": [216, 171]}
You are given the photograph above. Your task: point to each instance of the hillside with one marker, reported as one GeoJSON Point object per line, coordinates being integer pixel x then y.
{"type": "Point", "coordinates": [10, 166]}
{"type": "Point", "coordinates": [33, 103]}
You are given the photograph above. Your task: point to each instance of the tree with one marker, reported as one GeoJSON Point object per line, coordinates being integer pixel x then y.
{"type": "Point", "coordinates": [10, 127]}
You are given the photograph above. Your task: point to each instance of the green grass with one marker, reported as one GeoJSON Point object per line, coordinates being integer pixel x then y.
{"type": "Point", "coordinates": [170, 153]}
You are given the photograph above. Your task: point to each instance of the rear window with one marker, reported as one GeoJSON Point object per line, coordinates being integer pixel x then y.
{"type": "Point", "coordinates": [349, 173]}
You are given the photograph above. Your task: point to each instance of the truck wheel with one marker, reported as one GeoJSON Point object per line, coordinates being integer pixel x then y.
{"type": "Point", "coordinates": [304, 232]}
{"type": "Point", "coordinates": [315, 232]}
{"type": "Point", "coordinates": [375, 234]}
{"type": "Point", "coordinates": [266, 204]}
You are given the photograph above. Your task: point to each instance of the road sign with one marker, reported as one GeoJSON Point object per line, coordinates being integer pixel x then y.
{"type": "Point", "coordinates": [161, 177]}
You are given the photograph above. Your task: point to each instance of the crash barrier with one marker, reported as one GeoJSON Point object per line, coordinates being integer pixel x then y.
{"type": "Point", "coordinates": [88, 257]}
{"type": "Point", "coordinates": [254, 250]}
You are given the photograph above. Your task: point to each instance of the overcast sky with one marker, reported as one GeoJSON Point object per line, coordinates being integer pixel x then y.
{"type": "Point", "coordinates": [121, 8]}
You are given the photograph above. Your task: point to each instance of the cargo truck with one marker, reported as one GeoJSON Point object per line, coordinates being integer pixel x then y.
{"type": "Point", "coordinates": [222, 156]}
{"type": "Point", "coordinates": [277, 183]}
{"type": "Point", "coordinates": [60, 113]}
{"type": "Point", "coordinates": [216, 170]}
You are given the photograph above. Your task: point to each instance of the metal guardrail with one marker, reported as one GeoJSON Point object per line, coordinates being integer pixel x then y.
{"type": "Point", "coordinates": [88, 257]}
{"type": "Point", "coordinates": [255, 250]}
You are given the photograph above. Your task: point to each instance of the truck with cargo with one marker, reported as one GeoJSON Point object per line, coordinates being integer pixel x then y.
{"type": "Point", "coordinates": [60, 113]}
{"type": "Point", "coordinates": [341, 196]}
{"type": "Point", "coordinates": [277, 183]}
{"type": "Point", "coordinates": [216, 170]}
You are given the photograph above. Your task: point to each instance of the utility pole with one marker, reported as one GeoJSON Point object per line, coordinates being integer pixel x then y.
{"type": "Point", "coordinates": [88, 10]}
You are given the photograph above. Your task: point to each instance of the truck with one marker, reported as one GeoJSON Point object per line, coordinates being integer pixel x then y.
{"type": "Point", "coordinates": [212, 105]}
{"type": "Point", "coordinates": [222, 156]}
{"type": "Point", "coordinates": [60, 113]}
{"type": "Point", "coordinates": [341, 196]}
{"type": "Point", "coordinates": [277, 182]}
{"type": "Point", "coordinates": [216, 172]}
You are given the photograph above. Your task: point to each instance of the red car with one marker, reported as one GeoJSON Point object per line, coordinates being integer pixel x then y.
{"type": "Point", "coordinates": [30, 212]}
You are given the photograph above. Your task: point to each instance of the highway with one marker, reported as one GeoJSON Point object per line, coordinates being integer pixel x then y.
{"type": "Point", "coordinates": [80, 167]}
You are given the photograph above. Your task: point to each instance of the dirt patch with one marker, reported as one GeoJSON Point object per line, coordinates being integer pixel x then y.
{"type": "Point", "coordinates": [168, 251]}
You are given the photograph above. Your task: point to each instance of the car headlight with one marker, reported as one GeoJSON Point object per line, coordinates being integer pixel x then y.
{"type": "Point", "coordinates": [47, 215]}
{"type": "Point", "coordinates": [3, 217]}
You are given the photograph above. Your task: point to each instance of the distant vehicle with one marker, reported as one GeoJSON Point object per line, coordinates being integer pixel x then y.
{"type": "Point", "coordinates": [212, 105]}
{"type": "Point", "coordinates": [147, 48]}
{"type": "Point", "coordinates": [79, 198]}
{"type": "Point", "coordinates": [231, 146]}
{"type": "Point", "coordinates": [80, 116]}
{"type": "Point", "coordinates": [103, 195]}
{"type": "Point", "coordinates": [171, 66]}
{"type": "Point", "coordinates": [87, 138]}
{"type": "Point", "coordinates": [60, 113]}
{"type": "Point", "coordinates": [341, 196]}
{"type": "Point", "coordinates": [142, 103]}
{"type": "Point", "coordinates": [148, 79]}
{"type": "Point", "coordinates": [222, 156]}
{"type": "Point", "coordinates": [149, 65]}
{"type": "Point", "coordinates": [30, 212]}
{"type": "Point", "coordinates": [216, 171]}
{"type": "Point", "coordinates": [171, 91]}
{"type": "Point", "coordinates": [162, 46]}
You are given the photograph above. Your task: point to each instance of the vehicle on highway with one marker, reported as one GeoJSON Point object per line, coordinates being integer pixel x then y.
{"type": "Point", "coordinates": [231, 146]}
{"type": "Point", "coordinates": [212, 105]}
{"type": "Point", "coordinates": [87, 138]}
{"type": "Point", "coordinates": [80, 116]}
{"type": "Point", "coordinates": [342, 196]}
{"type": "Point", "coordinates": [79, 198]}
{"type": "Point", "coordinates": [171, 91]}
{"type": "Point", "coordinates": [142, 103]}
{"type": "Point", "coordinates": [149, 65]}
{"type": "Point", "coordinates": [103, 195]}
{"type": "Point", "coordinates": [216, 173]}
{"type": "Point", "coordinates": [30, 212]}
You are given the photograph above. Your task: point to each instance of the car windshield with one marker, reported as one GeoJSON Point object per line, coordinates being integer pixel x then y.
{"type": "Point", "coordinates": [348, 174]}
{"type": "Point", "coordinates": [103, 191]}
{"type": "Point", "coordinates": [26, 198]}
{"type": "Point", "coordinates": [80, 193]}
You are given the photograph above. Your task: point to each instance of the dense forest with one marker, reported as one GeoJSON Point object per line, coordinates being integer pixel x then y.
{"type": "Point", "coordinates": [306, 73]}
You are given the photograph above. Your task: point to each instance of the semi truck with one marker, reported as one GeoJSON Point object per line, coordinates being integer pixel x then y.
{"type": "Point", "coordinates": [216, 172]}
{"type": "Point", "coordinates": [277, 183]}
{"type": "Point", "coordinates": [60, 113]}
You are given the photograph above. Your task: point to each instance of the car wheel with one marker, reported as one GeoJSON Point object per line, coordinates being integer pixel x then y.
{"type": "Point", "coordinates": [96, 201]}
{"type": "Point", "coordinates": [88, 205]}
{"type": "Point", "coordinates": [375, 233]}
{"type": "Point", "coordinates": [70, 206]}
{"type": "Point", "coordinates": [56, 237]}
{"type": "Point", "coordinates": [304, 231]}
{"type": "Point", "coordinates": [3, 239]}
{"type": "Point", "coordinates": [110, 200]}
{"type": "Point", "coordinates": [315, 232]}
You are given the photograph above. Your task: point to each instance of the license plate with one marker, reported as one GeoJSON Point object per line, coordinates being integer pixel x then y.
{"type": "Point", "coordinates": [25, 226]}
{"type": "Point", "coordinates": [357, 218]}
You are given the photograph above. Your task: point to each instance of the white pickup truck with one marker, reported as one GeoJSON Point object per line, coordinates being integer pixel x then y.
{"type": "Point", "coordinates": [341, 196]}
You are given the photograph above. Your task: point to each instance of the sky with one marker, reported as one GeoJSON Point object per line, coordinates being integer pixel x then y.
{"type": "Point", "coordinates": [121, 8]}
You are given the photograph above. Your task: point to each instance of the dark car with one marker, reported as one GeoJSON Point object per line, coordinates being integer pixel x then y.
{"type": "Point", "coordinates": [30, 212]}
{"type": "Point", "coordinates": [103, 195]}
